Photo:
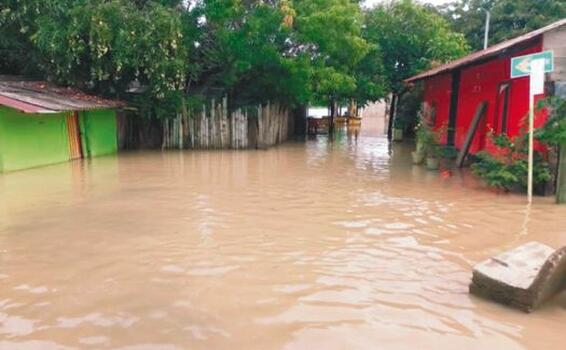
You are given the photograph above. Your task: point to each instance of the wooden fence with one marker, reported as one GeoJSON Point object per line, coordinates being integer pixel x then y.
{"type": "Point", "coordinates": [215, 127]}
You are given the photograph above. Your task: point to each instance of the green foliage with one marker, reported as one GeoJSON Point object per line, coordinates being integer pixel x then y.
{"type": "Point", "coordinates": [332, 30]}
{"type": "Point", "coordinates": [509, 18]}
{"type": "Point", "coordinates": [399, 123]}
{"type": "Point", "coordinates": [508, 169]}
{"type": "Point", "coordinates": [411, 38]}
{"type": "Point", "coordinates": [107, 45]}
{"type": "Point", "coordinates": [329, 32]}
{"type": "Point", "coordinates": [17, 24]}
{"type": "Point", "coordinates": [448, 152]}
{"type": "Point", "coordinates": [241, 51]}
{"type": "Point", "coordinates": [424, 137]}
{"type": "Point", "coordinates": [369, 74]}
{"type": "Point", "coordinates": [553, 132]}
{"type": "Point", "coordinates": [409, 105]}
{"type": "Point", "coordinates": [429, 139]}
{"type": "Point", "coordinates": [253, 51]}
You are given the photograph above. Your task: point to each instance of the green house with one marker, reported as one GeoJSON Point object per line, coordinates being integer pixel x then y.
{"type": "Point", "coordinates": [41, 124]}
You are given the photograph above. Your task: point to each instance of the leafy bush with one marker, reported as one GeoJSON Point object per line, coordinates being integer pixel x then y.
{"type": "Point", "coordinates": [425, 137]}
{"type": "Point", "coordinates": [448, 152]}
{"type": "Point", "coordinates": [429, 139]}
{"type": "Point", "coordinates": [553, 132]}
{"type": "Point", "coordinates": [399, 123]}
{"type": "Point", "coordinates": [508, 169]}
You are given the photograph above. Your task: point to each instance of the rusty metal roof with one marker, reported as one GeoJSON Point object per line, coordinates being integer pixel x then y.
{"type": "Point", "coordinates": [487, 53]}
{"type": "Point", "coordinates": [42, 97]}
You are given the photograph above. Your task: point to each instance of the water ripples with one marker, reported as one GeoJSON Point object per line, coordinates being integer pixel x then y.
{"type": "Point", "coordinates": [339, 245]}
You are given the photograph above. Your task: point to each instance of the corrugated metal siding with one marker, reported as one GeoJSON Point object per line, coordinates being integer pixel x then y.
{"type": "Point", "coordinates": [41, 97]}
{"type": "Point", "coordinates": [22, 106]}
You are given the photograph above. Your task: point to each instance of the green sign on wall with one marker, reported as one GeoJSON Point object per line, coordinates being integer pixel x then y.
{"type": "Point", "coordinates": [521, 66]}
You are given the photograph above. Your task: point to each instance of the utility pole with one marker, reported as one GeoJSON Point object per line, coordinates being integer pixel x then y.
{"type": "Point", "coordinates": [486, 34]}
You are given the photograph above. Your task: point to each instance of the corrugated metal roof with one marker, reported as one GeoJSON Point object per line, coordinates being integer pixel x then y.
{"type": "Point", "coordinates": [41, 97]}
{"type": "Point", "coordinates": [487, 53]}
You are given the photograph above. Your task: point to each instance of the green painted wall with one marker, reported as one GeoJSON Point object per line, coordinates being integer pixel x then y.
{"type": "Point", "coordinates": [31, 140]}
{"type": "Point", "coordinates": [98, 132]}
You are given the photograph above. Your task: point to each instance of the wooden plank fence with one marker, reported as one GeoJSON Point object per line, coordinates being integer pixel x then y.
{"type": "Point", "coordinates": [215, 127]}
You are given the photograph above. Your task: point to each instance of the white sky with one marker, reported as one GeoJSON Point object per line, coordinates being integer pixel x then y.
{"type": "Point", "coordinates": [370, 3]}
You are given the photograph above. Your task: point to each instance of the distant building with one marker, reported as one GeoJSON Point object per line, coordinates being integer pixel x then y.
{"type": "Point", "coordinates": [43, 124]}
{"type": "Point", "coordinates": [454, 91]}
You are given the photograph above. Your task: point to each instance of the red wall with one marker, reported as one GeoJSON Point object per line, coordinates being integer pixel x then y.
{"type": "Point", "coordinates": [481, 83]}
{"type": "Point", "coordinates": [437, 93]}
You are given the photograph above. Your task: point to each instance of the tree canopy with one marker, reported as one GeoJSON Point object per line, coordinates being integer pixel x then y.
{"type": "Point", "coordinates": [509, 18]}
{"type": "Point", "coordinates": [411, 38]}
{"type": "Point", "coordinates": [253, 51]}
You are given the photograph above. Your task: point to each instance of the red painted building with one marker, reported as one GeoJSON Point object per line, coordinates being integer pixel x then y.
{"type": "Point", "coordinates": [455, 90]}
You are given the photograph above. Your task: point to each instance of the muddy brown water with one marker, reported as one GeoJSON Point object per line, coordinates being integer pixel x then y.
{"type": "Point", "coordinates": [314, 245]}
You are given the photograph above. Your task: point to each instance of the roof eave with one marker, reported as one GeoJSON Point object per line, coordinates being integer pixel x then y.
{"type": "Point", "coordinates": [488, 53]}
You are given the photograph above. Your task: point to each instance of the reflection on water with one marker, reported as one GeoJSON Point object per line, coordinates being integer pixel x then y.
{"type": "Point", "coordinates": [323, 245]}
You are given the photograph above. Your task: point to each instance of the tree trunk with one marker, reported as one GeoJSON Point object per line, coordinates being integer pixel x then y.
{"type": "Point", "coordinates": [333, 111]}
{"type": "Point", "coordinates": [392, 112]}
{"type": "Point", "coordinates": [353, 109]}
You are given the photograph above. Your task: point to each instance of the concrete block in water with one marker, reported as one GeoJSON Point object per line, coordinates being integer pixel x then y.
{"type": "Point", "coordinates": [523, 277]}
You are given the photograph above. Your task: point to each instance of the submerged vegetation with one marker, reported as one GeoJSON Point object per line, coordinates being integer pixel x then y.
{"type": "Point", "coordinates": [553, 132]}
{"type": "Point", "coordinates": [429, 140]}
{"type": "Point", "coordinates": [507, 167]}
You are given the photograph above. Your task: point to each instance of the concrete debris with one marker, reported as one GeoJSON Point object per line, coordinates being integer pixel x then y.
{"type": "Point", "coordinates": [523, 277]}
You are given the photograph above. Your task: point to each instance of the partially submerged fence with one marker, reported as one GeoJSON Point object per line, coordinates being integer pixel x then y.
{"type": "Point", "coordinates": [214, 127]}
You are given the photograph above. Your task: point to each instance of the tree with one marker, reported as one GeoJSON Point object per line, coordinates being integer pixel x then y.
{"type": "Point", "coordinates": [411, 38]}
{"type": "Point", "coordinates": [17, 25]}
{"type": "Point", "coordinates": [106, 46]}
{"type": "Point", "coordinates": [253, 51]}
{"type": "Point", "coordinates": [553, 133]}
{"type": "Point", "coordinates": [245, 51]}
{"type": "Point", "coordinates": [329, 32]}
{"type": "Point", "coordinates": [291, 51]}
{"type": "Point", "coordinates": [370, 76]}
{"type": "Point", "coordinates": [509, 18]}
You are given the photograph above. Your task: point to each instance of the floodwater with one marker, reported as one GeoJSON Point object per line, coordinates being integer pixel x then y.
{"type": "Point", "coordinates": [340, 245]}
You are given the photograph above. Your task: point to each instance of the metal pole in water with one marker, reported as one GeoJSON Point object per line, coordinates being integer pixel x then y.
{"type": "Point", "coordinates": [536, 87]}
{"type": "Point", "coordinates": [531, 129]}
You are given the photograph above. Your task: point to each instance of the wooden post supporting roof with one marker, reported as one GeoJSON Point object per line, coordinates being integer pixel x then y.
{"type": "Point", "coordinates": [392, 113]}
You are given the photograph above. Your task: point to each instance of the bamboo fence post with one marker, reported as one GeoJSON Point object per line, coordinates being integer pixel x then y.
{"type": "Point", "coordinates": [260, 127]}
{"type": "Point", "coordinates": [225, 123]}
{"type": "Point", "coordinates": [164, 132]}
{"type": "Point", "coordinates": [236, 117]}
{"type": "Point", "coordinates": [193, 125]}
{"type": "Point", "coordinates": [180, 131]}
{"type": "Point", "coordinates": [211, 124]}
{"type": "Point", "coordinates": [222, 126]}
